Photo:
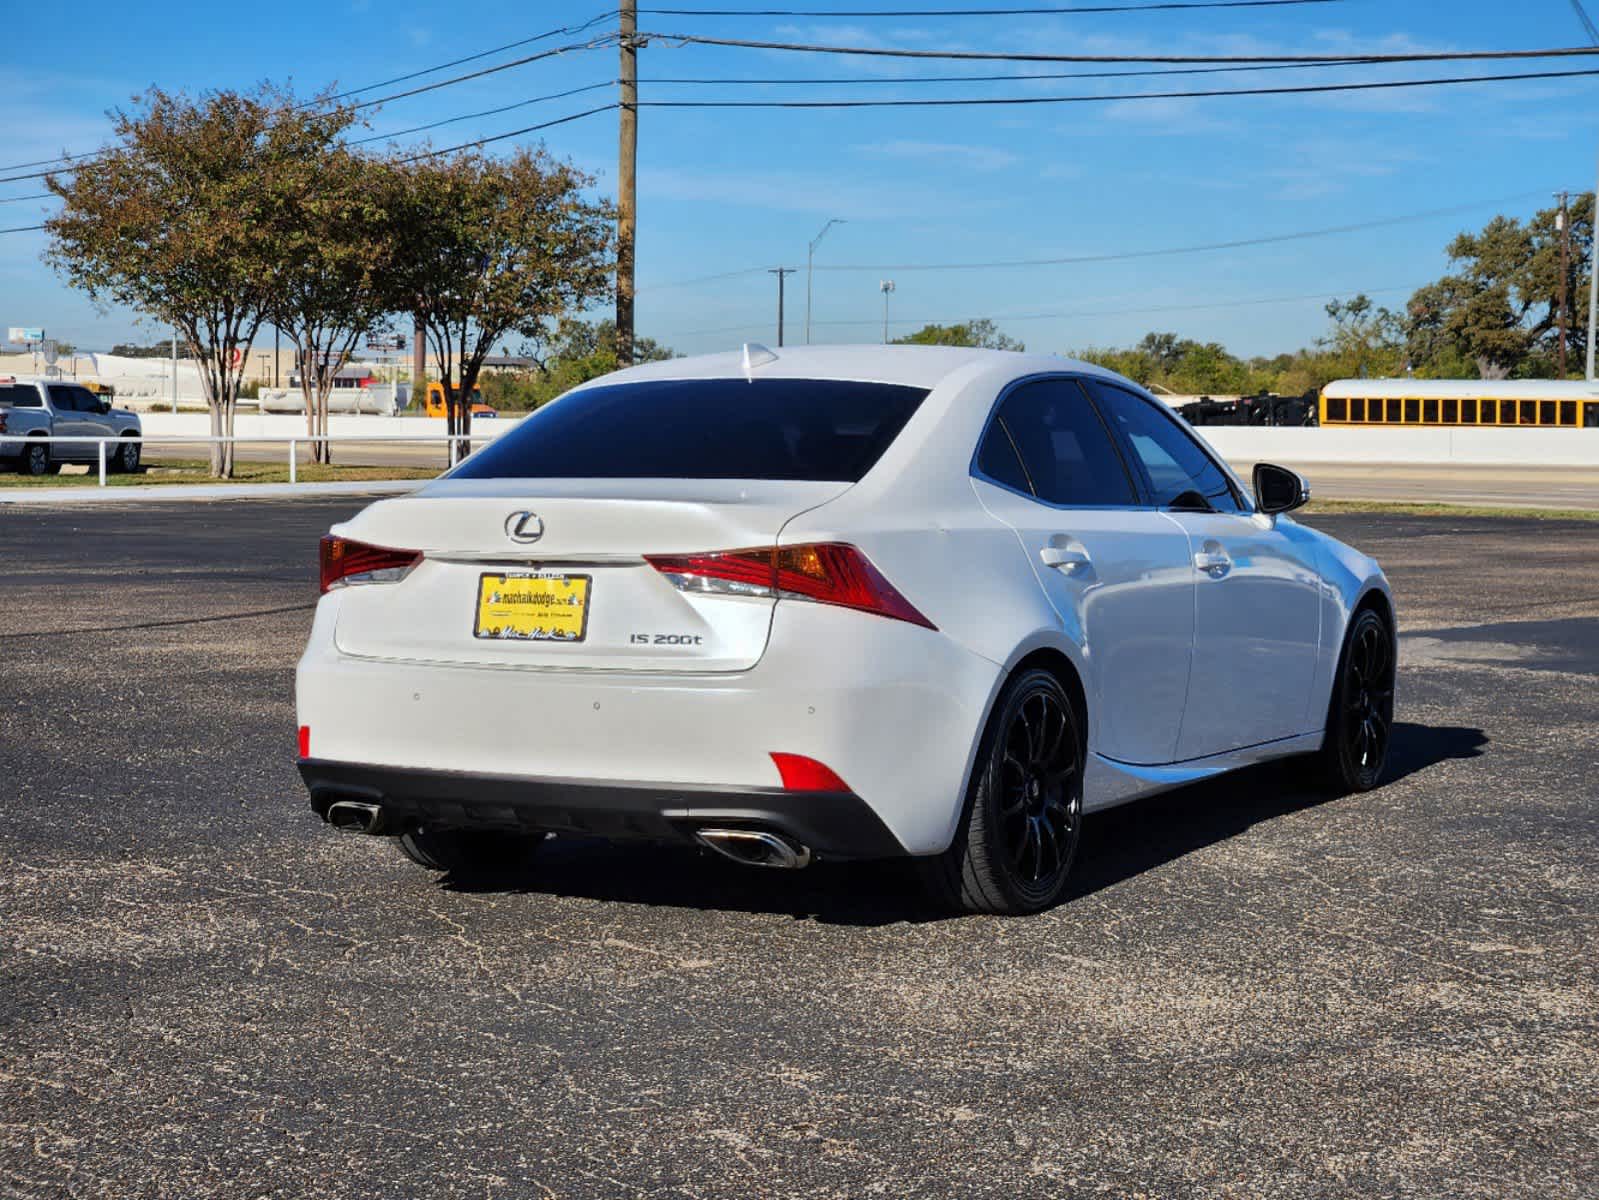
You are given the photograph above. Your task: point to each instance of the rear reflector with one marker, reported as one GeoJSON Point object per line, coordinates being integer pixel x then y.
{"type": "Point", "coordinates": [305, 741]}
{"type": "Point", "coordinates": [346, 561]}
{"type": "Point", "coordinates": [826, 572]}
{"type": "Point", "coordinates": [801, 774]}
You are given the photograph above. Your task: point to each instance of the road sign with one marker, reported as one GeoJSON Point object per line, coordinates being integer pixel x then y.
{"type": "Point", "coordinates": [386, 342]}
{"type": "Point", "coordinates": [51, 352]}
{"type": "Point", "coordinates": [24, 333]}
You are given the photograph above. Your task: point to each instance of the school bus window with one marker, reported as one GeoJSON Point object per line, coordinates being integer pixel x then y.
{"type": "Point", "coordinates": [1468, 412]}
{"type": "Point", "coordinates": [1429, 411]}
{"type": "Point", "coordinates": [1507, 412]}
{"type": "Point", "coordinates": [1451, 412]}
{"type": "Point", "coordinates": [1412, 411]}
{"type": "Point", "coordinates": [1357, 408]}
{"type": "Point", "coordinates": [1529, 412]}
{"type": "Point", "coordinates": [1590, 416]}
{"type": "Point", "coordinates": [1393, 411]}
{"type": "Point", "coordinates": [1546, 412]}
{"type": "Point", "coordinates": [1337, 409]}
{"type": "Point", "coordinates": [1568, 412]}
{"type": "Point", "coordinates": [1374, 410]}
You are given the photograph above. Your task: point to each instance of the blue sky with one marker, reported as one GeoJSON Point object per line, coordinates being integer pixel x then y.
{"type": "Point", "coordinates": [741, 191]}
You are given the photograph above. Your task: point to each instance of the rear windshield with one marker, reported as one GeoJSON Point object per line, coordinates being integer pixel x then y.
{"type": "Point", "coordinates": [19, 395]}
{"type": "Point", "coordinates": [810, 429]}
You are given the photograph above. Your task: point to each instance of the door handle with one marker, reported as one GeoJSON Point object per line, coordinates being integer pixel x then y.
{"type": "Point", "coordinates": [1067, 558]}
{"type": "Point", "coordinates": [1214, 563]}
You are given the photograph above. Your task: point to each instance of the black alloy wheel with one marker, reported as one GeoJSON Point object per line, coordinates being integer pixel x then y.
{"type": "Point", "coordinates": [35, 459]}
{"type": "Point", "coordinates": [1023, 818]}
{"type": "Point", "coordinates": [126, 457]}
{"type": "Point", "coordinates": [1360, 725]}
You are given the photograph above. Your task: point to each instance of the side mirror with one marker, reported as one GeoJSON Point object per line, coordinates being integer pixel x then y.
{"type": "Point", "coordinates": [1279, 490]}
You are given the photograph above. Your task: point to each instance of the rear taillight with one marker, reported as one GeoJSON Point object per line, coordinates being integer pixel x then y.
{"type": "Point", "coordinates": [826, 572]}
{"type": "Point", "coordinates": [345, 561]}
{"type": "Point", "coordinates": [305, 741]}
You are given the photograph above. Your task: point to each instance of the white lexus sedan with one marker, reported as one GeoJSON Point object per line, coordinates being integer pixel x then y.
{"type": "Point", "coordinates": [834, 602]}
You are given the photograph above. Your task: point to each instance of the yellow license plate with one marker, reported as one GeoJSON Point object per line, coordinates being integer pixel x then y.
{"type": "Point", "coordinates": [532, 608]}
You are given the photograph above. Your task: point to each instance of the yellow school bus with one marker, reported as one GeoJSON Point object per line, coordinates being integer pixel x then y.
{"type": "Point", "coordinates": [1524, 403]}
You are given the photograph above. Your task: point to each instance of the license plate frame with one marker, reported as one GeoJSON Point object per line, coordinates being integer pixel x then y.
{"type": "Point", "coordinates": [520, 632]}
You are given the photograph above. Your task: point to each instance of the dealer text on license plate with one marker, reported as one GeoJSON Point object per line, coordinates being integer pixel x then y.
{"type": "Point", "coordinates": [532, 607]}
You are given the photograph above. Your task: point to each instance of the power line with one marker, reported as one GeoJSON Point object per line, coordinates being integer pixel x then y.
{"type": "Point", "coordinates": [22, 229]}
{"type": "Point", "coordinates": [487, 112]}
{"type": "Point", "coordinates": [982, 101]}
{"type": "Point", "coordinates": [592, 44]}
{"type": "Point", "coordinates": [500, 137]}
{"type": "Point", "coordinates": [1066, 11]}
{"type": "Point", "coordinates": [1126, 255]}
{"type": "Point", "coordinates": [1078, 313]}
{"type": "Point", "coordinates": [456, 62]}
{"type": "Point", "coordinates": [20, 199]}
{"type": "Point", "coordinates": [1587, 25]}
{"type": "Point", "coordinates": [998, 56]}
{"type": "Point", "coordinates": [1004, 77]}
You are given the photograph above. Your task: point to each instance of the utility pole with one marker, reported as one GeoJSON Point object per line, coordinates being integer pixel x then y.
{"type": "Point", "coordinates": [886, 286]}
{"type": "Point", "coordinates": [1563, 223]}
{"type": "Point", "coordinates": [781, 273]}
{"type": "Point", "coordinates": [419, 366]}
{"type": "Point", "coordinates": [626, 184]}
{"type": "Point", "coordinates": [174, 368]}
{"type": "Point", "coordinates": [810, 260]}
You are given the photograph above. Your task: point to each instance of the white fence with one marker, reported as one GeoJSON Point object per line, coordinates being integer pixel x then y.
{"type": "Point", "coordinates": [293, 442]}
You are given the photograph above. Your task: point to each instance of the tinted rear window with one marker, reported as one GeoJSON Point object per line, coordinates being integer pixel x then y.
{"type": "Point", "coordinates": [19, 395]}
{"type": "Point", "coordinates": [811, 429]}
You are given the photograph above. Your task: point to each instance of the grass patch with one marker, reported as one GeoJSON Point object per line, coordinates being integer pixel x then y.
{"type": "Point", "coordinates": [1410, 509]}
{"type": "Point", "coordinates": [189, 471]}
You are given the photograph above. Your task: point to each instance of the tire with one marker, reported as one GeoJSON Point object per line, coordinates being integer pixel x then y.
{"type": "Point", "coordinates": [1018, 834]}
{"type": "Point", "coordinates": [468, 851]}
{"type": "Point", "coordinates": [1360, 715]}
{"type": "Point", "coordinates": [35, 459]}
{"type": "Point", "coordinates": [125, 459]}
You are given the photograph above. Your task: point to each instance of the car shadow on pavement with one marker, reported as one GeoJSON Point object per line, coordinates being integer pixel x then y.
{"type": "Point", "coordinates": [1139, 837]}
{"type": "Point", "coordinates": [1116, 845]}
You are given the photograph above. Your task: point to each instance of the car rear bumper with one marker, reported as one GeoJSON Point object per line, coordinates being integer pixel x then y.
{"type": "Point", "coordinates": [831, 824]}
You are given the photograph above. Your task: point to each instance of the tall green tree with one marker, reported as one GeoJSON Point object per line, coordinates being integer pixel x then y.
{"type": "Point", "coordinates": [980, 333]}
{"type": "Point", "coordinates": [1499, 305]}
{"type": "Point", "coordinates": [489, 247]}
{"type": "Point", "coordinates": [179, 218]}
{"type": "Point", "coordinates": [334, 278]}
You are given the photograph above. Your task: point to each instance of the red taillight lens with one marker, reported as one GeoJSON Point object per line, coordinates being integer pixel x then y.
{"type": "Point", "coordinates": [801, 774]}
{"type": "Point", "coordinates": [347, 561]}
{"type": "Point", "coordinates": [305, 741]}
{"type": "Point", "coordinates": [826, 572]}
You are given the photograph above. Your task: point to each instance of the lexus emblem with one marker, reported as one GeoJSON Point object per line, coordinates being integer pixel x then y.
{"type": "Point", "coordinates": [524, 527]}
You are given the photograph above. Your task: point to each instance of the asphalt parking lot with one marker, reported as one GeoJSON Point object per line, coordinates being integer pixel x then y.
{"type": "Point", "coordinates": [1252, 991]}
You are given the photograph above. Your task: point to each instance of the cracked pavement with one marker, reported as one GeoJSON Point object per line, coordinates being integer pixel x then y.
{"type": "Point", "coordinates": [1252, 991]}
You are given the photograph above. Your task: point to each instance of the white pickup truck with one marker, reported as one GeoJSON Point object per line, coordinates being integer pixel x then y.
{"type": "Point", "coordinates": [31, 409]}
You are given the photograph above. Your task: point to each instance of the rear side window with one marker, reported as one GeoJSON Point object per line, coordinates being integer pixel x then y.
{"type": "Point", "coordinates": [1059, 449]}
{"type": "Point", "coordinates": [19, 395]}
{"type": "Point", "coordinates": [798, 429]}
{"type": "Point", "coordinates": [1173, 463]}
{"type": "Point", "coordinates": [68, 399]}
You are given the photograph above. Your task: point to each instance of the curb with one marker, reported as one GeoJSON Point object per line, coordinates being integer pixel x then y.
{"type": "Point", "coordinates": [167, 493]}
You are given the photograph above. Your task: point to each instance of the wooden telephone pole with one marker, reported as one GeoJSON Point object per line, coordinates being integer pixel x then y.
{"type": "Point", "coordinates": [626, 173]}
{"type": "Point", "coordinates": [1565, 271]}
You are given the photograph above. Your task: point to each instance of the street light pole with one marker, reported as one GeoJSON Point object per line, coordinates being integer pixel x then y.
{"type": "Point", "coordinates": [781, 273]}
{"type": "Point", "coordinates": [810, 259]}
{"type": "Point", "coordinates": [886, 286]}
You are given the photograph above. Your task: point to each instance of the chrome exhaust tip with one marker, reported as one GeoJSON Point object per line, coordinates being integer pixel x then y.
{"type": "Point", "coordinates": [358, 816]}
{"type": "Point", "coordinates": [756, 848]}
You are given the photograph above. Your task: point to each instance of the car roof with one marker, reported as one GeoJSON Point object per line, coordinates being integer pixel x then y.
{"type": "Point", "coordinates": [911, 366]}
